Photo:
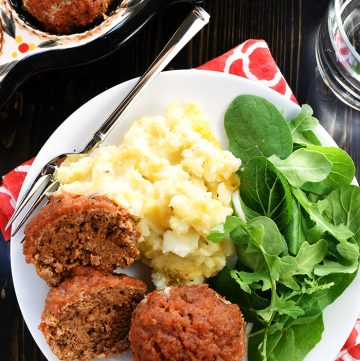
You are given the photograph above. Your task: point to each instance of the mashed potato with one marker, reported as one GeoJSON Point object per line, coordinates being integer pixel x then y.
{"type": "Point", "coordinates": [171, 173]}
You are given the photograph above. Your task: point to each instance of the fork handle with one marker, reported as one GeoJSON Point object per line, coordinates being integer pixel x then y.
{"type": "Point", "coordinates": [193, 23]}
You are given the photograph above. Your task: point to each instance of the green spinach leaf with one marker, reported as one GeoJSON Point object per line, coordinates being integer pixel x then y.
{"type": "Point", "coordinates": [302, 127]}
{"type": "Point", "coordinates": [323, 224]}
{"type": "Point", "coordinates": [343, 208]}
{"type": "Point", "coordinates": [240, 209]}
{"type": "Point", "coordinates": [272, 240]}
{"type": "Point", "coordinates": [303, 166]}
{"type": "Point", "coordinates": [264, 190]}
{"type": "Point", "coordinates": [295, 231]}
{"type": "Point", "coordinates": [293, 342]}
{"type": "Point", "coordinates": [342, 171]}
{"type": "Point", "coordinates": [255, 127]}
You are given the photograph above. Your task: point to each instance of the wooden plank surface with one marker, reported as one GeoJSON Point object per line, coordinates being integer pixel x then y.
{"type": "Point", "coordinates": [46, 99]}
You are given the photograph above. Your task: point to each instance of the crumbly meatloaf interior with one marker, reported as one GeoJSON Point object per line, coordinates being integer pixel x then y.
{"type": "Point", "coordinates": [64, 16]}
{"type": "Point", "coordinates": [188, 323]}
{"type": "Point", "coordinates": [94, 319]}
{"type": "Point", "coordinates": [73, 231]}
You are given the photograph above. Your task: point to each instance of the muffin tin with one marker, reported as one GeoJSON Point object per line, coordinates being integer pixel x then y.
{"type": "Point", "coordinates": [25, 48]}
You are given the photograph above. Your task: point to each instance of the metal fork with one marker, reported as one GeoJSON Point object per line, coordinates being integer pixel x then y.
{"type": "Point", "coordinates": [45, 181]}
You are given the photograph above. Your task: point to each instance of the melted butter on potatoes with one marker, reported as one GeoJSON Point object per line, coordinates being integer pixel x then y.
{"type": "Point", "coordinates": [170, 172]}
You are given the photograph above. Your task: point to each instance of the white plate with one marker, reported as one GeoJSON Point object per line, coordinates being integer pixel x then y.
{"type": "Point", "coordinates": [214, 91]}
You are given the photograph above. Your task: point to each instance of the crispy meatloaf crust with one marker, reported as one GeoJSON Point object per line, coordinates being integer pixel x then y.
{"type": "Point", "coordinates": [74, 231]}
{"type": "Point", "coordinates": [88, 315]}
{"type": "Point", "coordinates": [187, 323]}
{"type": "Point", "coordinates": [66, 16]}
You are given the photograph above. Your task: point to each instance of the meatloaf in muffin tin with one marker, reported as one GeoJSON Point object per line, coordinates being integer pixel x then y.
{"type": "Point", "coordinates": [67, 16]}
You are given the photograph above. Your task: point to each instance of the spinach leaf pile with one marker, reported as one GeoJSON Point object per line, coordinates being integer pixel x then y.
{"type": "Point", "coordinates": [296, 228]}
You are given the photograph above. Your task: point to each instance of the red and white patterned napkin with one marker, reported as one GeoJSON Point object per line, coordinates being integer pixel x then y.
{"type": "Point", "coordinates": [251, 60]}
{"type": "Point", "coordinates": [9, 192]}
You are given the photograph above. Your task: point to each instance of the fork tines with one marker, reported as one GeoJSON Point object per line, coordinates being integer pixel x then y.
{"type": "Point", "coordinates": [44, 184]}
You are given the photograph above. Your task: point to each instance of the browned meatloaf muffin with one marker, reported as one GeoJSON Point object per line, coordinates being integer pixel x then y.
{"type": "Point", "coordinates": [187, 323]}
{"type": "Point", "coordinates": [89, 315]}
{"type": "Point", "coordinates": [73, 231]}
{"type": "Point", "coordinates": [66, 16]}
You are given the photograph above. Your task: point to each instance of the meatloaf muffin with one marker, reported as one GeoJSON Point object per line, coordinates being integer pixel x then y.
{"type": "Point", "coordinates": [74, 231]}
{"type": "Point", "coordinates": [66, 16]}
{"type": "Point", "coordinates": [187, 323]}
{"type": "Point", "coordinates": [88, 315]}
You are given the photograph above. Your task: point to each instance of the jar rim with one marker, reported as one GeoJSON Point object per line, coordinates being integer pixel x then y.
{"type": "Point", "coordinates": [339, 7]}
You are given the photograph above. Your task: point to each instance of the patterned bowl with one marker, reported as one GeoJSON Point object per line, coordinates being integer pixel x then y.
{"type": "Point", "coordinates": [25, 48]}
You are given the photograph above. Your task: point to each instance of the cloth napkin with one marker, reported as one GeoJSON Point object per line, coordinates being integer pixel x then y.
{"type": "Point", "coordinates": [251, 60]}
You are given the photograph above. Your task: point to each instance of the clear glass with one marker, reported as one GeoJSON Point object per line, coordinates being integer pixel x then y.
{"type": "Point", "coordinates": [338, 50]}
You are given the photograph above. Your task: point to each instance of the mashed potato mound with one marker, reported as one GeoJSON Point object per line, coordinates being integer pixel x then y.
{"type": "Point", "coordinates": [171, 173]}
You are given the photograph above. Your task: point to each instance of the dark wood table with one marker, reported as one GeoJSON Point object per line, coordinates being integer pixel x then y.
{"type": "Point", "coordinates": [46, 99]}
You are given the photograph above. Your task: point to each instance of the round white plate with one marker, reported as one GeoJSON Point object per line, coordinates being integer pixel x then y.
{"type": "Point", "coordinates": [213, 91]}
